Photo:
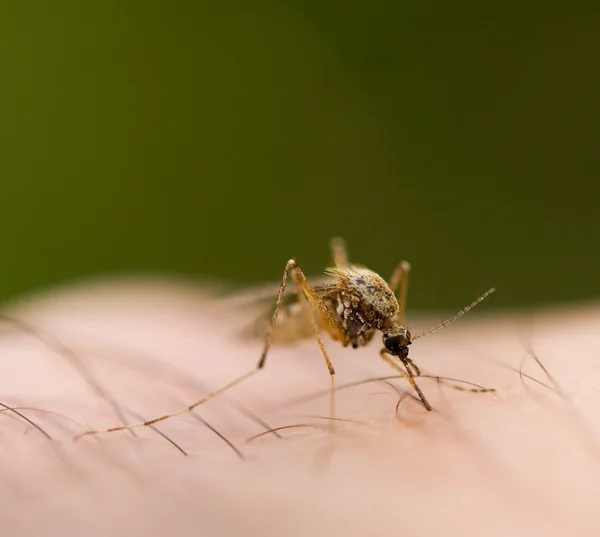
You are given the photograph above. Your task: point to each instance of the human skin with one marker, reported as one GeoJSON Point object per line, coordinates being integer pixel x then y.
{"type": "Point", "coordinates": [524, 462]}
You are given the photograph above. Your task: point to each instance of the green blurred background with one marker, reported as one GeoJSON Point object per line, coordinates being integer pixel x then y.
{"type": "Point", "coordinates": [200, 138]}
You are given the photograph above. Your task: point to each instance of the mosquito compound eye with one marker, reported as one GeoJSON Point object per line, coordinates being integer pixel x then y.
{"type": "Point", "coordinates": [409, 337]}
{"type": "Point", "coordinates": [397, 345]}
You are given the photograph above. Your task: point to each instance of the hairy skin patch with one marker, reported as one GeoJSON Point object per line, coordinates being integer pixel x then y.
{"type": "Point", "coordinates": [525, 463]}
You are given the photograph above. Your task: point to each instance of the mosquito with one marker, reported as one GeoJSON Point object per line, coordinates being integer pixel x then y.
{"type": "Point", "coordinates": [351, 306]}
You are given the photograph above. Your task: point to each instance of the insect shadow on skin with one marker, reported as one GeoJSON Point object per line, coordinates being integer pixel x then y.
{"type": "Point", "coordinates": [352, 306]}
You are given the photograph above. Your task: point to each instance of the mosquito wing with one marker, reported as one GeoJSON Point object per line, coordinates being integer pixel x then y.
{"type": "Point", "coordinates": [292, 322]}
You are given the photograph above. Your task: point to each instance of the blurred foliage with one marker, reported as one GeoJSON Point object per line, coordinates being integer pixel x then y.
{"type": "Point", "coordinates": [221, 138]}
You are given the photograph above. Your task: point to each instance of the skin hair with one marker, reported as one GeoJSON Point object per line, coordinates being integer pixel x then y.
{"type": "Point", "coordinates": [524, 461]}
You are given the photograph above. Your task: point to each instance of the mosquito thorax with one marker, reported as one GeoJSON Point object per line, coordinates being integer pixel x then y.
{"type": "Point", "coordinates": [366, 293]}
{"type": "Point", "coordinates": [362, 303]}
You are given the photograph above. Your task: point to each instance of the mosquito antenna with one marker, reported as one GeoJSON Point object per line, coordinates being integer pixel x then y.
{"type": "Point", "coordinates": [457, 316]}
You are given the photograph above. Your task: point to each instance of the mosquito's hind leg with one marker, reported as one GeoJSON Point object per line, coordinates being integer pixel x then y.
{"type": "Point", "coordinates": [291, 264]}
{"type": "Point", "coordinates": [408, 375]}
{"type": "Point", "coordinates": [400, 277]}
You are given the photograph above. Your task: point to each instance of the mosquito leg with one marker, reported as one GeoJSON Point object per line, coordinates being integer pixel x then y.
{"type": "Point", "coordinates": [261, 363]}
{"type": "Point", "coordinates": [308, 298]}
{"type": "Point", "coordinates": [400, 277]}
{"type": "Point", "coordinates": [291, 264]}
{"type": "Point", "coordinates": [408, 374]}
{"type": "Point", "coordinates": [324, 315]}
{"type": "Point", "coordinates": [474, 388]}
{"type": "Point", "coordinates": [338, 248]}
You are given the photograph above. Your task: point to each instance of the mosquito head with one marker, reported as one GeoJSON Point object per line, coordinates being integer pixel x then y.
{"type": "Point", "coordinates": [397, 341]}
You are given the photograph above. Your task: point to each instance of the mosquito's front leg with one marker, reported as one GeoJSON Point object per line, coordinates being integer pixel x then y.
{"type": "Point", "coordinates": [408, 375]}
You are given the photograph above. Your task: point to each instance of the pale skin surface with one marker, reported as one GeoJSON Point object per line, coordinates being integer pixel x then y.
{"type": "Point", "coordinates": [527, 463]}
